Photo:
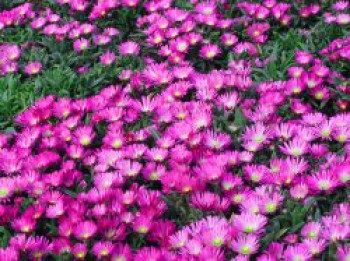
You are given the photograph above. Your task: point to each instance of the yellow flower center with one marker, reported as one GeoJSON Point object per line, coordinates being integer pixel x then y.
{"type": "Point", "coordinates": [3, 192]}
{"type": "Point", "coordinates": [143, 229]}
{"type": "Point", "coordinates": [246, 250]}
{"type": "Point", "coordinates": [217, 241]}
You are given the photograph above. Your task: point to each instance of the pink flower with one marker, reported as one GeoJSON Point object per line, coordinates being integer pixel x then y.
{"type": "Point", "coordinates": [107, 58]}
{"type": "Point", "coordinates": [81, 45]}
{"type": "Point", "coordinates": [84, 135]}
{"type": "Point", "coordinates": [102, 249]}
{"type": "Point", "coordinates": [343, 19]}
{"type": "Point", "coordinates": [296, 147]}
{"type": "Point", "coordinates": [249, 222]}
{"type": "Point", "coordinates": [122, 252]}
{"type": "Point", "coordinates": [297, 252]}
{"type": "Point", "coordinates": [303, 57]}
{"type": "Point", "coordinates": [130, 3]}
{"type": "Point", "coordinates": [7, 187]}
{"type": "Point", "coordinates": [129, 48]}
{"type": "Point", "coordinates": [324, 181]}
{"type": "Point", "coordinates": [79, 251]}
{"type": "Point", "coordinates": [245, 244]}
{"type": "Point", "coordinates": [209, 51]}
{"type": "Point", "coordinates": [85, 230]}
{"type": "Point", "coordinates": [33, 68]}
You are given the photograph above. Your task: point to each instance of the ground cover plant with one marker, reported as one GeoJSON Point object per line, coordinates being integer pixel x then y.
{"type": "Point", "coordinates": [174, 130]}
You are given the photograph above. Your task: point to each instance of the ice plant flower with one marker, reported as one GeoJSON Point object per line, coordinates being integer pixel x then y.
{"type": "Point", "coordinates": [85, 230]}
{"type": "Point", "coordinates": [129, 48]}
{"type": "Point", "coordinates": [209, 51]}
{"type": "Point", "coordinates": [33, 68]}
{"type": "Point", "coordinates": [245, 244]}
{"type": "Point", "coordinates": [81, 45]}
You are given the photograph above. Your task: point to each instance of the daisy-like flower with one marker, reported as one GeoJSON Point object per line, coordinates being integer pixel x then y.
{"type": "Point", "coordinates": [228, 100]}
{"type": "Point", "coordinates": [216, 141]}
{"type": "Point", "coordinates": [115, 139]}
{"type": "Point", "coordinates": [180, 45]}
{"type": "Point", "coordinates": [311, 230]}
{"type": "Point", "coordinates": [193, 247]}
{"type": "Point", "coordinates": [157, 154]}
{"type": "Point", "coordinates": [257, 133]}
{"type": "Point", "coordinates": [121, 253]}
{"type": "Point", "coordinates": [111, 31]}
{"type": "Point", "coordinates": [7, 187]}
{"type": "Point", "coordinates": [157, 74]}
{"type": "Point", "coordinates": [296, 147]}
{"type": "Point", "coordinates": [179, 239]}
{"type": "Point", "coordinates": [343, 172]}
{"type": "Point", "coordinates": [102, 40]}
{"type": "Point", "coordinates": [230, 182]}
{"type": "Point", "coordinates": [298, 252]}
{"type": "Point", "coordinates": [206, 201]}
{"type": "Point", "coordinates": [130, 3]}
{"type": "Point", "coordinates": [295, 71]}
{"type": "Point", "coordinates": [24, 224]}
{"type": "Point", "coordinates": [256, 31]}
{"type": "Point", "coordinates": [153, 172]}
{"type": "Point", "coordinates": [13, 52]}
{"type": "Point", "coordinates": [342, 19]}
{"type": "Point", "coordinates": [303, 57]}
{"type": "Point", "coordinates": [79, 251]}
{"type": "Point", "coordinates": [228, 39]}
{"type": "Point", "coordinates": [245, 244]}
{"type": "Point", "coordinates": [341, 134]}
{"type": "Point", "coordinates": [129, 48]}
{"type": "Point", "coordinates": [85, 230]}
{"type": "Point", "coordinates": [194, 38]}
{"type": "Point", "coordinates": [38, 247]}
{"type": "Point", "coordinates": [107, 58]}
{"type": "Point", "coordinates": [102, 249]}
{"type": "Point", "coordinates": [209, 51]}
{"type": "Point", "coordinates": [315, 246]}
{"type": "Point", "coordinates": [206, 8]}
{"type": "Point", "coordinates": [142, 224]}
{"type": "Point", "coordinates": [249, 222]}
{"type": "Point", "coordinates": [323, 181]}
{"type": "Point", "coordinates": [33, 68]}
{"type": "Point", "coordinates": [334, 230]}
{"type": "Point", "coordinates": [255, 173]}
{"type": "Point", "coordinates": [81, 45]}
{"type": "Point", "coordinates": [84, 135]}
{"type": "Point", "coordinates": [270, 203]}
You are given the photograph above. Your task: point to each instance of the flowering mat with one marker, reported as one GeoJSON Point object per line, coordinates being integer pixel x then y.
{"type": "Point", "coordinates": [174, 130]}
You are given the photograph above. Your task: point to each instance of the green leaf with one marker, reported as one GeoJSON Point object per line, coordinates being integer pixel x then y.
{"type": "Point", "coordinates": [240, 121]}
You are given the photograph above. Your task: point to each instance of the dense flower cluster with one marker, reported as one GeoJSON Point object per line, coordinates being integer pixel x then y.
{"type": "Point", "coordinates": [176, 161]}
{"type": "Point", "coordinates": [16, 16]}
{"type": "Point", "coordinates": [339, 49]}
{"type": "Point", "coordinates": [340, 13]}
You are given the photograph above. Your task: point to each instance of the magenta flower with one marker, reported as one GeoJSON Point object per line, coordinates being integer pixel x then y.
{"type": "Point", "coordinates": [249, 222]}
{"type": "Point", "coordinates": [324, 181]}
{"type": "Point", "coordinates": [297, 252]}
{"type": "Point", "coordinates": [81, 45]}
{"type": "Point", "coordinates": [209, 51]}
{"type": "Point", "coordinates": [343, 253]}
{"type": "Point", "coordinates": [107, 58]}
{"type": "Point", "coordinates": [129, 48]}
{"type": "Point", "coordinates": [85, 230]}
{"type": "Point", "coordinates": [33, 68]}
{"type": "Point", "coordinates": [245, 244]}
{"type": "Point", "coordinates": [79, 250]}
